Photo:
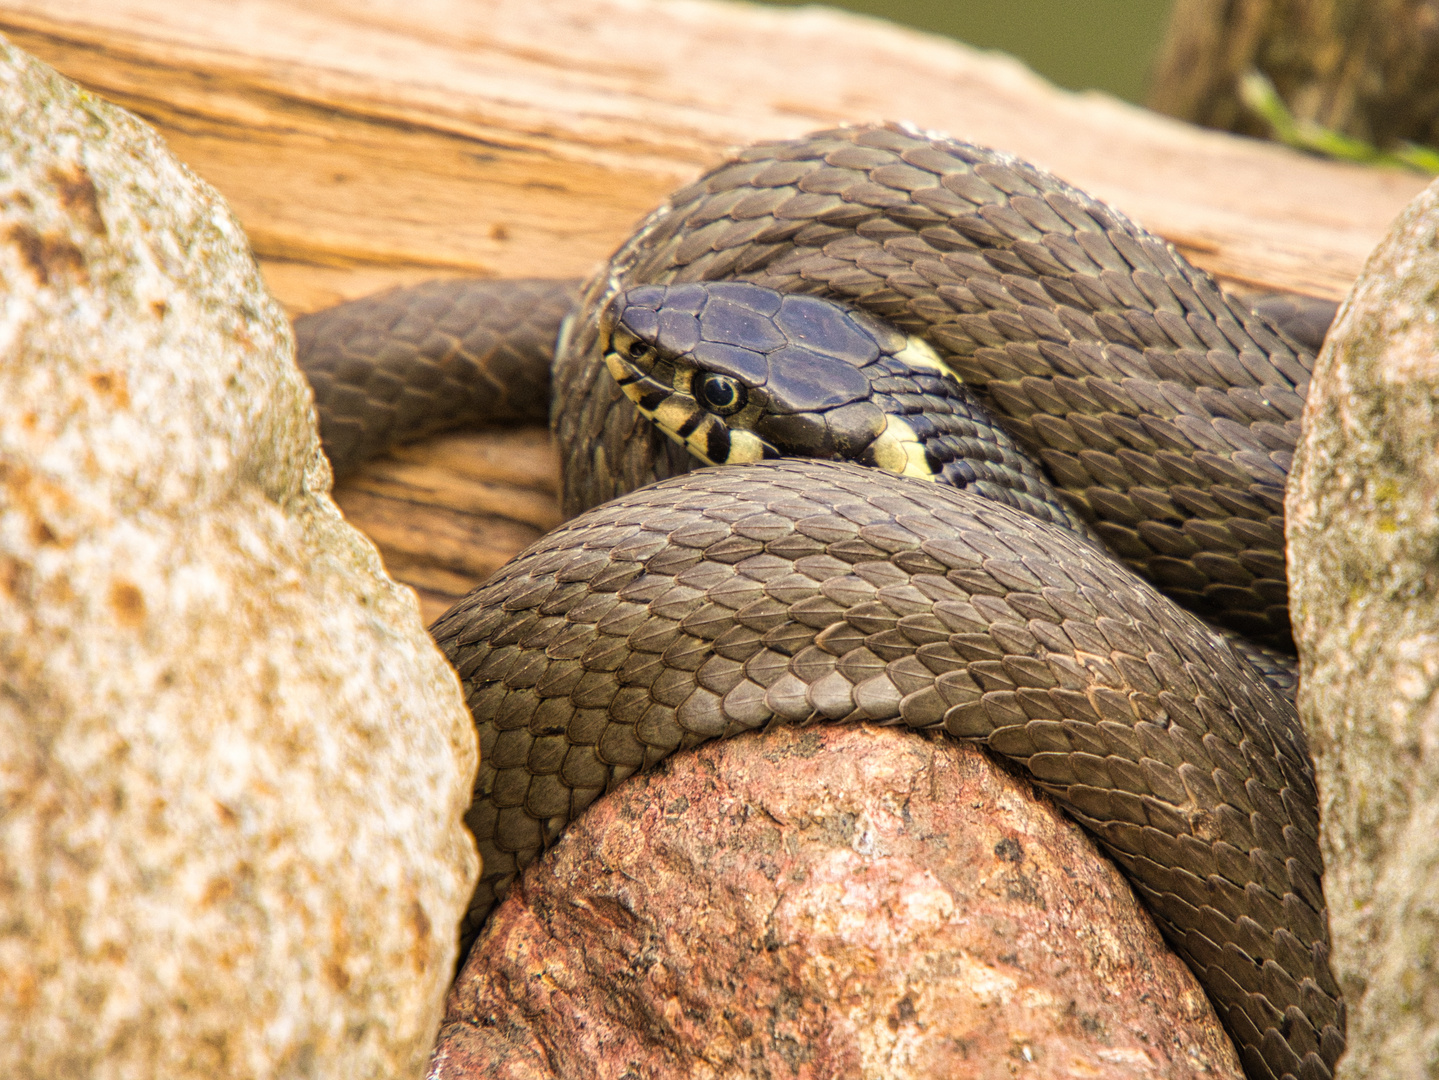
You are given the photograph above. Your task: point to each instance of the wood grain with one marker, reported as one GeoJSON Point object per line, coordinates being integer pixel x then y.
{"type": "Point", "coordinates": [372, 143]}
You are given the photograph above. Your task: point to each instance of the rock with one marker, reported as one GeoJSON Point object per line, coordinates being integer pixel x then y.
{"type": "Point", "coordinates": [232, 764]}
{"type": "Point", "coordinates": [1363, 513]}
{"type": "Point", "coordinates": [826, 902]}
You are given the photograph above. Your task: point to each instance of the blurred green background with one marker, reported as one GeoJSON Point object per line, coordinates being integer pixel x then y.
{"type": "Point", "coordinates": [1082, 44]}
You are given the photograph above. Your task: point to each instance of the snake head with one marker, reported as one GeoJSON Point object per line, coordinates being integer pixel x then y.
{"type": "Point", "coordinates": [737, 372]}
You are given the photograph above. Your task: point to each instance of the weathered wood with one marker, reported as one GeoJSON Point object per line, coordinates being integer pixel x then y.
{"type": "Point", "coordinates": [383, 142]}
{"type": "Point", "coordinates": [1366, 68]}
{"type": "Point", "coordinates": [448, 512]}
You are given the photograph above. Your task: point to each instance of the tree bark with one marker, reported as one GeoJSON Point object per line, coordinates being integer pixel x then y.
{"type": "Point", "coordinates": [378, 143]}
{"type": "Point", "coordinates": [1366, 68]}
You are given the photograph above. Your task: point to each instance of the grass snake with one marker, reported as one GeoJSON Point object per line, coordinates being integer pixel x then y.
{"type": "Point", "coordinates": [1140, 410]}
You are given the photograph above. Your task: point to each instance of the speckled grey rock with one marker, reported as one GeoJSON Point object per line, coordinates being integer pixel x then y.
{"type": "Point", "coordinates": [1363, 513]}
{"type": "Point", "coordinates": [232, 764]}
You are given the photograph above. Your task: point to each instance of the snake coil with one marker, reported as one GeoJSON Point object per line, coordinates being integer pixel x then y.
{"type": "Point", "coordinates": [733, 597]}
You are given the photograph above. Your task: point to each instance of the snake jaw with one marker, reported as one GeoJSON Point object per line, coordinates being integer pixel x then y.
{"type": "Point", "coordinates": [673, 409]}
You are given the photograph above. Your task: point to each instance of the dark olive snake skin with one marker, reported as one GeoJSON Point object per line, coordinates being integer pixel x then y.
{"type": "Point", "coordinates": [1167, 411]}
{"type": "Point", "coordinates": [408, 363]}
{"type": "Point", "coordinates": [736, 597]}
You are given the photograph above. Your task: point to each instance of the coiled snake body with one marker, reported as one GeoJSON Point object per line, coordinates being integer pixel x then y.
{"type": "Point", "coordinates": [794, 591]}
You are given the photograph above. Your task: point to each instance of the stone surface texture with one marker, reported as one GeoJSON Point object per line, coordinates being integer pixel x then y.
{"type": "Point", "coordinates": [826, 902]}
{"type": "Point", "coordinates": [1363, 514]}
{"type": "Point", "coordinates": [232, 765]}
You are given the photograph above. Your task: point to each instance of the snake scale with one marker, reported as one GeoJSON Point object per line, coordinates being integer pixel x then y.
{"type": "Point", "coordinates": [725, 599]}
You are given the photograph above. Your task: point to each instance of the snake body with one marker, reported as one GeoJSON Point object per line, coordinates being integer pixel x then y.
{"type": "Point", "coordinates": [789, 591]}
{"type": "Point", "coordinates": [411, 362]}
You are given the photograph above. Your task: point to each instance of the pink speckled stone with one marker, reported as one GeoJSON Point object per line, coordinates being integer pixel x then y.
{"type": "Point", "coordinates": [842, 902]}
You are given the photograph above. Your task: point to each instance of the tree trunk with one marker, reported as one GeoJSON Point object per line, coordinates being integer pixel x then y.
{"type": "Point", "coordinates": [1366, 68]}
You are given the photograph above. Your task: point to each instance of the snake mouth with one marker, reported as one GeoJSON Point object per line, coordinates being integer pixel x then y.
{"type": "Point", "coordinates": [662, 392]}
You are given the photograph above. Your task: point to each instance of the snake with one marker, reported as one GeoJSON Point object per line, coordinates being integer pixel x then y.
{"type": "Point", "coordinates": [878, 425]}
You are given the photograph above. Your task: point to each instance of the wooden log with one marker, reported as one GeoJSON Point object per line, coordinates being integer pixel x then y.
{"type": "Point", "coordinates": [367, 144]}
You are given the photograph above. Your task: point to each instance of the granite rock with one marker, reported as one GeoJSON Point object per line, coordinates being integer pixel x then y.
{"type": "Point", "coordinates": [826, 902]}
{"type": "Point", "coordinates": [232, 764]}
{"type": "Point", "coordinates": [1363, 532]}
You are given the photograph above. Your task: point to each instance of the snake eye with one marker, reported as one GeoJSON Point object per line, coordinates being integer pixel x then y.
{"type": "Point", "coordinates": [721, 394]}
{"type": "Point", "coordinates": [638, 350]}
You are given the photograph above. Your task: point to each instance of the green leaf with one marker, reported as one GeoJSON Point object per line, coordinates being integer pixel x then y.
{"type": "Point", "coordinates": [1259, 94]}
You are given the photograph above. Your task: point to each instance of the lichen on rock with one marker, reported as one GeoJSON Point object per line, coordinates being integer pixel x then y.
{"type": "Point", "coordinates": [233, 766]}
